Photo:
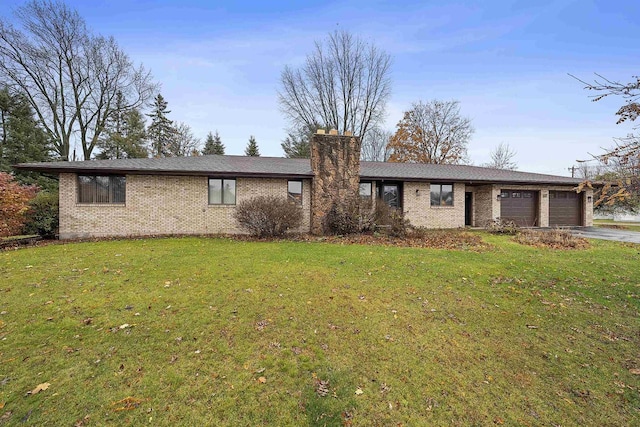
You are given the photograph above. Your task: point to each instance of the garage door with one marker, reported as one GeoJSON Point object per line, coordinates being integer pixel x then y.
{"type": "Point", "coordinates": [565, 208]}
{"type": "Point", "coordinates": [520, 207]}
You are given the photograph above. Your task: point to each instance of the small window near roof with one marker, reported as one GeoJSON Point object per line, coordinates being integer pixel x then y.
{"type": "Point", "coordinates": [365, 190]}
{"type": "Point", "coordinates": [441, 194]}
{"type": "Point", "coordinates": [222, 191]}
{"type": "Point", "coordinates": [102, 189]}
{"type": "Point", "coordinates": [295, 192]}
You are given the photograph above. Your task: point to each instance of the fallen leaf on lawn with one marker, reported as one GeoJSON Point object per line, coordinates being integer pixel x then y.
{"type": "Point", "coordinates": [532, 327]}
{"type": "Point", "coordinates": [634, 371]}
{"type": "Point", "coordinates": [322, 387]}
{"type": "Point", "coordinates": [261, 370]}
{"type": "Point", "coordinates": [39, 388]}
{"type": "Point", "coordinates": [125, 326]}
{"type": "Point", "coordinates": [359, 391]}
{"type": "Point", "coordinates": [128, 404]}
{"type": "Point", "coordinates": [262, 380]}
{"type": "Point", "coordinates": [81, 422]}
{"type": "Point", "coordinates": [2, 405]}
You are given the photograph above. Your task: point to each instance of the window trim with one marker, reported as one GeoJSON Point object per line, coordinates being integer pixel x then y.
{"type": "Point", "coordinates": [110, 190]}
{"type": "Point", "coordinates": [222, 181]}
{"type": "Point", "coordinates": [293, 199]}
{"type": "Point", "coordinates": [440, 185]}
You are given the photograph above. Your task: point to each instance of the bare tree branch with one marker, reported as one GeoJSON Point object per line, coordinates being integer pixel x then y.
{"type": "Point", "coordinates": [70, 76]}
{"type": "Point", "coordinates": [344, 84]}
{"type": "Point", "coordinates": [502, 158]}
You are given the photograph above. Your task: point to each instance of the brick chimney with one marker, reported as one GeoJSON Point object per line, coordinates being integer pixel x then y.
{"type": "Point", "coordinates": [335, 162]}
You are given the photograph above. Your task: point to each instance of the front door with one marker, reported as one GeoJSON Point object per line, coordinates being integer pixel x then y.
{"type": "Point", "coordinates": [468, 208]}
{"type": "Point", "coordinates": [391, 195]}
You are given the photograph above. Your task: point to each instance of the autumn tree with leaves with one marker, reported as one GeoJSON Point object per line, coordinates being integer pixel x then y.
{"type": "Point", "coordinates": [622, 186]}
{"type": "Point", "coordinates": [14, 204]}
{"type": "Point", "coordinates": [431, 132]}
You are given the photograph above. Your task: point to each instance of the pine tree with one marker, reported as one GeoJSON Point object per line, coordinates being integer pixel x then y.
{"type": "Point", "coordinates": [125, 136]}
{"type": "Point", "coordinates": [22, 139]}
{"type": "Point", "coordinates": [297, 144]}
{"type": "Point", "coordinates": [252, 148]}
{"type": "Point", "coordinates": [161, 130]}
{"type": "Point", "coordinates": [213, 144]}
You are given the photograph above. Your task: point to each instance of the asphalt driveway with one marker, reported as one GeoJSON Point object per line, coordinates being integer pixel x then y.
{"type": "Point", "coordinates": [606, 234]}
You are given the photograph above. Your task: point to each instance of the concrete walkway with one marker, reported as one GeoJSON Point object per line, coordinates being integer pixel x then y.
{"type": "Point", "coordinates": [606, 234]}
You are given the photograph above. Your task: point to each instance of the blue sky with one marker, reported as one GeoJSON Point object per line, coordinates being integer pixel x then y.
{"type": "Point", "coordinates": [507, 62]}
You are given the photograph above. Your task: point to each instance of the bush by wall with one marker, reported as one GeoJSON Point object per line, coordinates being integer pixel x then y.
{"type": "Point", "coordinates": [42, 218]}
{"type": "Point", "coordinates": [268, 216]}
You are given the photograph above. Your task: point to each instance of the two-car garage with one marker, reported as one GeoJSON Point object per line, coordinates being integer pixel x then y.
{"type": "Point", "coordinates": [522, 207]}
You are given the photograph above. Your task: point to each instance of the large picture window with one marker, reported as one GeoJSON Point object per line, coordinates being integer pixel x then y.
{"type": "Point", "coordinates": [106, 189]}
{"type": "Point", "coordinates": [441, 194]}
{"type": "Point", "coordinates": [222, 191]}
{"type": "Point", "coordinates": [294, 192]}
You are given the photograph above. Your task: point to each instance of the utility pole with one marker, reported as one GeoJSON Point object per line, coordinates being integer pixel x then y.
{"type": "Point", "coordinates": [573, 171]}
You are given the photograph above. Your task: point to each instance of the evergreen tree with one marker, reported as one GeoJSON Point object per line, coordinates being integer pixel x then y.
{"type": "Point", "coordinates": [125, 135]}
{"type": "Point", "coordinates": [297, 144]}
{"type": "Point", "coordinates": [22, 139]}
{"type": "Point", "coordinates": [213, 144]}
{"type": "Point", "coordinates": [252, 148]}
{"type": "Point", "coordinates": [161, 131]}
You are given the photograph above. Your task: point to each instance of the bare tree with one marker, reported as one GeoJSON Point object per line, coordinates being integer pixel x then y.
{"type": "Point", "coordinates": [375, 145]}
{"type": "Point", "coordinates": [183, 142]}
{"type": "Point", "coordinates": [70, 76]}
{"type": "Point", "coordinates": [502, 158]}
{"type": "Point", "coordinates": [344, 85]}
{"type": "Point", "coordinates": [432, 132]}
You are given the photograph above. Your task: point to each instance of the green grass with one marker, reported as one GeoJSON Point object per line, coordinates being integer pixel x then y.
{"type": "Point", "coordinates": [632, 226]}
{"type": "Point", "coordinates": [513, 335]}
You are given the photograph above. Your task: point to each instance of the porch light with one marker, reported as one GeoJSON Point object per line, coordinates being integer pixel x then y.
{"type": "Point", "coordinates": [589, 199]}
{"type": "Point", "coordinates": [417, 192]}
{"type": "Point", "coordinates": [498, 197]}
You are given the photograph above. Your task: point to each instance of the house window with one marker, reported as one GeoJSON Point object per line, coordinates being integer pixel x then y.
{"type": "Point", "coordinates": [294, 189]}
{"type": "Point", "coordinates": [222, 191]}
{"type": "Point", "coordinates": [441, 194]}
{"type": "Point", "coordinates": [365, 190]}
{"type": "Point", "coordinates": [107, 189]}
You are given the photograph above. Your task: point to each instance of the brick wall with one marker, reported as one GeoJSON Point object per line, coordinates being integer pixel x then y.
{"type": "Point", "coordinates": [164, 205]}
{"type": "Point", "coordinates": [418, 210]}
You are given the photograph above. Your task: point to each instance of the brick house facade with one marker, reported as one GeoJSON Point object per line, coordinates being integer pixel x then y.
{"type": "Point", "coordinates": [184, 195]}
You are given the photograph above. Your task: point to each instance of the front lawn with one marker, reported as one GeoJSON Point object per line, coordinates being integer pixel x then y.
{"type": "Point", "coordinates": [198, 331]}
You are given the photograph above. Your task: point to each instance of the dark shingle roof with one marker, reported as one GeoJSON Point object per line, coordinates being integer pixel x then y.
{"type": "Point", "coordinates": [280, 167]}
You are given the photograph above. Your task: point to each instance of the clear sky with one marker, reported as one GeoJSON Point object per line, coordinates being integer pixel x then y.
{"type": "Point", "coordinates": [507, 62]}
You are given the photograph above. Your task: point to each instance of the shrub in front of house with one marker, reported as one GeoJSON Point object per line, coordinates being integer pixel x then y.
{"type": "Point", "coordinates": [42, 218]}
{"type": "Point", "coordinates": [390, 221]}
{"type": "Point", "coordinates": [268, 216]}
{"type": "Point", "coordinates": [342, 219]}
{"type": "Point", "coordinates": [500, 226]}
